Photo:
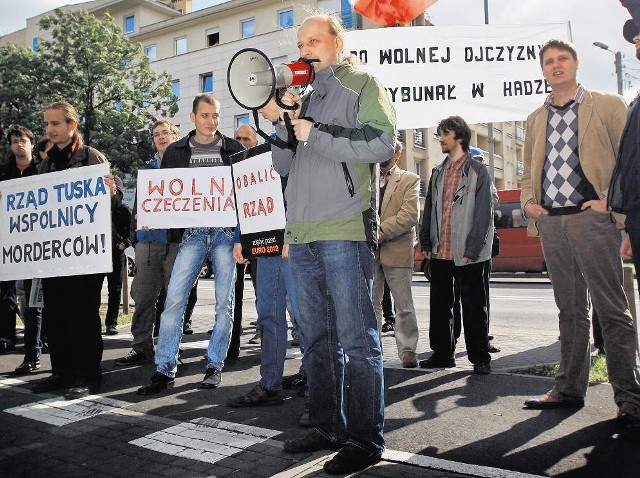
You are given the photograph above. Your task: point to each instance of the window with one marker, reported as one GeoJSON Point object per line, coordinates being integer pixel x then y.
{"type": "Point", "coordinates": [35, 44]}
{"type": "Point", "coordinates": [206, 83]}
{"type": "Point", "coordinates": [248, 28]}
{"type": "Point", "coordinates": [241, 119]}
{"type": "Point", "coordinates": [285, 19]}
{"type": "Point", "coordinates": [181, 45]}
{"type": "Point", "coordinates": [175, 88]}
{"type": "Point", "coordinates": [418, 137]}
{"type": "Point", "coordinates": [150, 51]}
{"type": "Point", "coordinates": [129, 24]}
{"type": "Point", "coordinates": [212, 37]}
{"type": "Point", "coordinates": [418, 167]}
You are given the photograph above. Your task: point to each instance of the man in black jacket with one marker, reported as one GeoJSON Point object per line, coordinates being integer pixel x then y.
{"type": "Point", "coordinates": [624, 197]}
{"type": "Point", "coordinates": [20, 164]}
{"type": "Point", "coordinates": [203, 147]}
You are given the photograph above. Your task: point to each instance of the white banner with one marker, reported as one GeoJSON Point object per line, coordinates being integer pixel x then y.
{"type": "Point", "coordinates": [259, 195]}
{"type": "Point", "coordinates": [485, 73]}
{"type": "Point", "coordinates": [56, 224]}
{"type": "Point", "coordinates": [186, 197]}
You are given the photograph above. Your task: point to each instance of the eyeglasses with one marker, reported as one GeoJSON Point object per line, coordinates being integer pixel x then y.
{"type": "Point", "coordinates": [19, 140]}
{"type": "Point", "coordinates": [160, 134]}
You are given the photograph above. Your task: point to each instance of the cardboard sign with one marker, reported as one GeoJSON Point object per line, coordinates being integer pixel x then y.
{"type": "Point", "coordinates": [56, 224]}
{"type": "Point", "coordinates": [261, 211]}
{"type": "Point", "coordinates": [186, 197]}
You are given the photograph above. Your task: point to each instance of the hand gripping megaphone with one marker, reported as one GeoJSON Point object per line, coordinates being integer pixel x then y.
{"type": "Point", "coordinates": [253, 80]}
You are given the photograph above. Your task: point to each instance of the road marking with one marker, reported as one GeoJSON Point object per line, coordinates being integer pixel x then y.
{"type": "Point", "coordinates": [59, 412]}
{"type": "Point", "coordinates": [205, 439]}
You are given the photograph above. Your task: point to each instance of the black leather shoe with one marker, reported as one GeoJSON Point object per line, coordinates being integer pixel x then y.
{"type": "Point", "coordinates": [313, 441]}
{"type": "Point", "coordinates": [51, 383]}
{"type": "Point", "coordinates": [435, 362]}
{"type": "Point", "coordinates": [548, 401]}
{"type": "Point", "coordinates": [83, 387]}
{"type": "Point", "coordinates": [159, 382]}
{"type": "Point", "coordinates": [350, 460]}
{"type": "Point", "coordinates": [482, 368]}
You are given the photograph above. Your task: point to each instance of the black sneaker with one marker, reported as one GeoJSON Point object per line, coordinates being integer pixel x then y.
{"type": "Point", "coordinates": [132, 358]}
{"type": "Point", "coordinates": [351, 459]}
{"type": "Point", "coordinates": [27, 367]}
{"type": "Point", "coordinates": [212, 378]}
{"type": "Point", "coordinates": [257, 397]}
{"type": "Point", "coordinates": [388, 327]}
{"type": "Point", "coordinates": [51, 383]}
{"type": "Point", "coordinates": [186, 329]}
{"type": "Point", "coordinates": [435, 362]}
{"type": "Point", "coordinates": [311, 442]}
{"type": "Point", "coordinates": [159, 382]}
{"type": "Point", "coordinates": [294, 381]}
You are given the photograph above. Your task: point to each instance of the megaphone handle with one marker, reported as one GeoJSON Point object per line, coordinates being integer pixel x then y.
{"type": "Point", "coordinates": [287, 122]}
{"type": "Point", "coordinates": [282, 105]}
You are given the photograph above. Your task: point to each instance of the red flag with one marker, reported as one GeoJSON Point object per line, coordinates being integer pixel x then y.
{"type": "Point", "coordinates": [391, 12]}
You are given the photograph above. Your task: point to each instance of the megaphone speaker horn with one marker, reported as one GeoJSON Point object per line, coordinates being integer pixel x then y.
{"type": "Point", "coordinates": [251, 78]}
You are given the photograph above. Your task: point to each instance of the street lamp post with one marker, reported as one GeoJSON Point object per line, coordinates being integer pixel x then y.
{"type": "Point", "coordinates": [617, 63]}
{"type": "Point", "coordinates": [490, 140]}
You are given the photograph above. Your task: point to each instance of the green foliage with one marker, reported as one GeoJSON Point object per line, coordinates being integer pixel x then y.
{"type": "Point", "coordinates": [18, 78]}
{"type": "Point", "coordinates": [89, 63]}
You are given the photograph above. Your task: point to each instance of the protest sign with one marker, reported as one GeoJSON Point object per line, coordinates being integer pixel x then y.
{"type": "Point", "coordinates": [484, 73]}
{"type": "Point", "coordinates": [261, 212]}
{"type": "Point", "coordinates": [186, 197]}
{"type": "Point", "coordinates": [56, 224]}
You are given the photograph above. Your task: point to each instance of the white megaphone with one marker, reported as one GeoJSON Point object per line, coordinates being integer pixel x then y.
{"type": "Point", "coordinates": [253, 80]}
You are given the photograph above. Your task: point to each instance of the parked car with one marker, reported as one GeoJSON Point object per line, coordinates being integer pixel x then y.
{"type": "Point", "coordinates": [130, 252]}
{"type": "Point", "coordinates": [518, 251]}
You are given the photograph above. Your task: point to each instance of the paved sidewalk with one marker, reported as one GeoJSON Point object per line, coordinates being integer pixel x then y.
{"type": "Point", "coordinates": [447, 423]}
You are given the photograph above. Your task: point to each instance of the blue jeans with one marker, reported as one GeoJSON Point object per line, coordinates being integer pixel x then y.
{"type": "Point", "coordinates": [198, 244]}
{"type": "Point", "coordinates": [274, 286]}
{"type": "Point", "coordinates": [334, 281]}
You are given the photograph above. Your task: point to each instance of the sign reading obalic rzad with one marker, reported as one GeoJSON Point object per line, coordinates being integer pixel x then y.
{"type": "Point", "coordinates": [56, 224]}
{"type": "Point", "coordinates": [186, 197]}
{"type": "Point", "coordinates": [484, 73]}
{"type": "Point", "coordinates": [261, 211]}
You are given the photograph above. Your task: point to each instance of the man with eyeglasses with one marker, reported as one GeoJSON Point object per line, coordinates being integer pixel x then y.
{"type": "Point", "coordinates": [156, 251]}
{"type": "Point", "coordinates": [19, 165]}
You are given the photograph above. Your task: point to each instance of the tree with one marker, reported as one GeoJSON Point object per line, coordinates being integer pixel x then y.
{"type": "Point", "coordinates": [18, 78]}
{"type": "Point", "coordinates": [93, 66]}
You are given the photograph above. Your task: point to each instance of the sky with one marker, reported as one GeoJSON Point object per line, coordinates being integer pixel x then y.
{"type": "Point", "coordinates": [591, 20]}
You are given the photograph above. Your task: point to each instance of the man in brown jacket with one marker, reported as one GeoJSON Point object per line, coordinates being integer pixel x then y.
{"type": "Point", "coordinates": [569, 154]}
{"type": "Point", "coordinates": [399, 217]}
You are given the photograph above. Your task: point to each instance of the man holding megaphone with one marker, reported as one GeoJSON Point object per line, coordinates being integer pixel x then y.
{"type": "Point", "coordinates": [344, 126]}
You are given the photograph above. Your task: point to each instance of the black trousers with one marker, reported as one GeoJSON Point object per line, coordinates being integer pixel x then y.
{"type": "Point", "coordinates": [71, 320]}
{"type": "Point", "coordinates": [475, 315]}
{"type": "Point", "coordinates": [8, 311]}
{"type": "Point", "coordinates": [114, 286]}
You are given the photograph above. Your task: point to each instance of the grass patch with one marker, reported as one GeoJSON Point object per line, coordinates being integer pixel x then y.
{"type": "Point", "coordinates": [123, 319]}
{"type": "Point", "coordinates": [597, 373]}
